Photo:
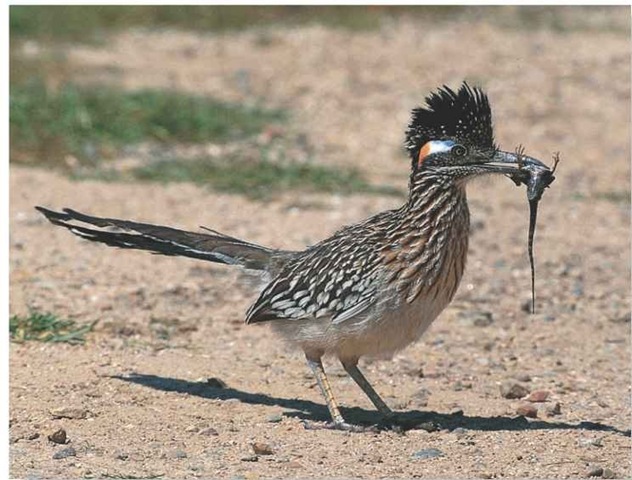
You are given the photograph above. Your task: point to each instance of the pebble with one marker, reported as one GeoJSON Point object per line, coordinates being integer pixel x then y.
{"type": "Point", "coordinates": [215, 382]}
{"type": "Point", "coordinates": [537, 396]}
{"type": "Point", "coordinates": [178, 454]}
{"type": "Point", "coordinates": [58, 437]}
{"type": "Point", "coordinates": [527, 410]}
{"type": "Point", "coordinates": [121, 455]}
{"type": "Point", "coordinates": [595, 472]}
{"type": "Point", "coordinates": [578, 288]}
{"type": "Point", "coordinates": [601, 472]}
{"type": "Point", "coordinates": [459, 431]}
{"type": "Point", "coordinates": [523, 377]}
{"type": "Point", "coordinates": [427, 426]}
{"type": "Point", "coordinates": [483, 319]}
{"type": "Point", "coordinates": [250, 458]}
{"type": "Point", "coordinates": [591, 442]}
{"type": "Point", "coordinates": [262, 449]}
{"type": "Point", "coordinates": [553, 410]}
{"type": "Point", "coordinates": [209, 432]}
{"type": "Point", "coordinates": [420, 397]}
{"type": "Point", "coordinates": [428, 453]}
{"type": "Point", "coordinates": [64, 453]}
{"type": "Point", "coordinates": [459, 386]}
{"type": "Point", "coordinates": [69, 412]}
{"type": "Point", "coordinates": [274, 418]}
{"type": "Point", "coordinates": [476, 318]}
{"type": "Point", "coordinates": [512, 390]}
{"type": "Point", "coordinates": [33, 436]}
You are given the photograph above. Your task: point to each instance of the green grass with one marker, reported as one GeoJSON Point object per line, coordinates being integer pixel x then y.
{"type": "Point", "coordinates": [255, 179]}
{"type": "Point", "coordinates": [93, 124]}
{"type": "Point", "coordinates": [79, 128]}
{"type": "Point", "coordinates": [614, 196]}
{"type": "Point", "coordinates": [46, 327]}
{"type": "Point", "coordinates": [47, 125]}
{"type": "Point", "coordinates": [93, 23]}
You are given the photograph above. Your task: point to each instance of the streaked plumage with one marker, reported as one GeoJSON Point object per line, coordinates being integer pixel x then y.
{"type": "Point", "coordinates": [371, 288]}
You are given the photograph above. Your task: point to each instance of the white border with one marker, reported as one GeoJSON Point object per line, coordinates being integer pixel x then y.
{"type": "Point", "coordinates": [4, 142]}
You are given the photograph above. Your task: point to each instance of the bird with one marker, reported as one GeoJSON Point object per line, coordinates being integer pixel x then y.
{"type": "Point", "coordinates": [374, 287]}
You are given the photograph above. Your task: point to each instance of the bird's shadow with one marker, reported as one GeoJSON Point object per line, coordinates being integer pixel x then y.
{"type": "Point", "coordinates": [308, 410]}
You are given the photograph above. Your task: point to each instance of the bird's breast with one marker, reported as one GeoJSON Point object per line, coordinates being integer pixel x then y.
{"type": "Point", "coordinates": [421, 266]}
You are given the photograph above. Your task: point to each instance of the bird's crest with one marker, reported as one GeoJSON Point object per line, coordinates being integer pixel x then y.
{"type": "Point", "coordinates": [464, 116]}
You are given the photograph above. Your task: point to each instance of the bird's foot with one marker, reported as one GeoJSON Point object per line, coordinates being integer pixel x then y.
{"type": "Point", "coordinates": [342, 426]}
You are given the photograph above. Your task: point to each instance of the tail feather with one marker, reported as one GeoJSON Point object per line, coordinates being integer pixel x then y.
{"type": "Point", "coordinates": [212, 246]}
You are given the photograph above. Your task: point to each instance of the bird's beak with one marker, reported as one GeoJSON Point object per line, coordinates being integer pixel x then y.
{"type": "Point", "coordinates": [522, 169]}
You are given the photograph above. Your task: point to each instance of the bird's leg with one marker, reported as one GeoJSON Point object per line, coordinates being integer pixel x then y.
{"type": "Point", "coordinates": [338, 423]}
{"type": "Point", "coordinates": [316, 366]}
{"type": "Point", "coordinates": [354, 372]}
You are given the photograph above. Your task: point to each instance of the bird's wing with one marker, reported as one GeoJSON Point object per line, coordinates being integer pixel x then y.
{"type": "Point", "coordinates": [336, 285]}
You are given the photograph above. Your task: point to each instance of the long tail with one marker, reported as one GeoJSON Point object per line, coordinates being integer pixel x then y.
{"type": "Point", "coordinates": [212, 246]}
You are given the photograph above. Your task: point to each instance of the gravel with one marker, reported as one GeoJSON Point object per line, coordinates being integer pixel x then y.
{"type": "Point", "coordinates": [553, 410]}
{"type": "Point", "coordinates": [58, 436]}
{"type": "Point", "coordinates": [513, 390]}
{"type": "Point", "coordinates": [262, 448]}
{"type": "Point", "coordinates": [537, 396]}
{"type": "Point", "coordinates": [428, 453]}
{"type": "Point", "coordinates": [69, 412]}
{"type": "Point", "coordinates": [527, 410]}
{"type": "Point", "coordinates": [64, 453]}
{"type": "Point", "coordinates": [274, 418]}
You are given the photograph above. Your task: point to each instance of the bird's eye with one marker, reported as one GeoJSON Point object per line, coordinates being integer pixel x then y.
{"type": "Point", "coordinates": [459, 151]}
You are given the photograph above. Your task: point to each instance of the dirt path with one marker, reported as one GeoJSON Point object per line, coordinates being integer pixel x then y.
{"type": "Point", "coordinates": [166, 325]}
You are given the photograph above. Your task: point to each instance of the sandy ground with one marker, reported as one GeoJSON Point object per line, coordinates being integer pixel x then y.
{"type": "Point", "coordinates": [138, 388]}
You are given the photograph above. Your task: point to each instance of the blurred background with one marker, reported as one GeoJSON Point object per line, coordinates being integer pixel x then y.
{"type": "Point", "coordinates": [261, 99]}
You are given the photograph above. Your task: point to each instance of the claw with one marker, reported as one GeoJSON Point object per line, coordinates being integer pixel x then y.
{"type": "Point", "coordinates": [342, 426]}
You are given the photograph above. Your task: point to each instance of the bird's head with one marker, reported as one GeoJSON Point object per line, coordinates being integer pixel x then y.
{"type": "Point", "coordinates": [452, 137]}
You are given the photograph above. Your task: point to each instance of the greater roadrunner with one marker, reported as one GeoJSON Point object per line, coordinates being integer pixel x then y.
{"type": "Point", "coordinates": [371, 288]}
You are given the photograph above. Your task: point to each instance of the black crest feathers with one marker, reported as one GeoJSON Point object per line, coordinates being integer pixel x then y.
{"type": "Point", "coordinates": [463, 116]}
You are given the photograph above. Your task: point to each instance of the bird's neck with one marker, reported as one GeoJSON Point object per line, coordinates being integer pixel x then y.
{"type": "Point", "coordinates": [433, 198]}
{"type": "Point", "coordinates": [428, 250]}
